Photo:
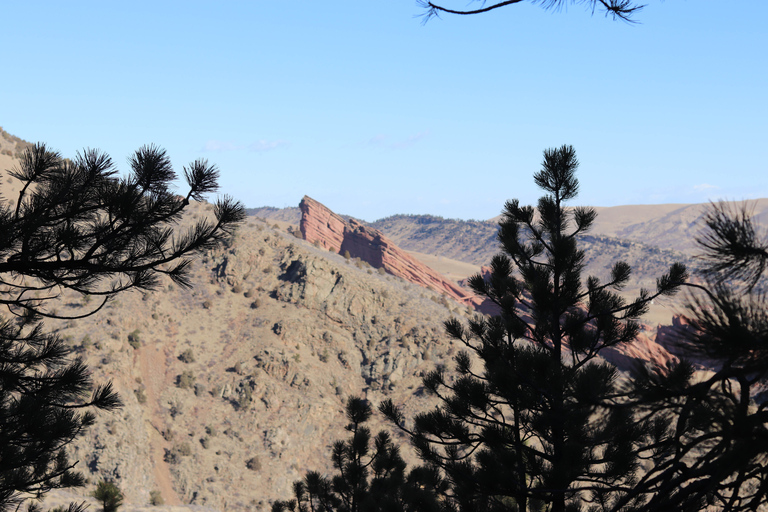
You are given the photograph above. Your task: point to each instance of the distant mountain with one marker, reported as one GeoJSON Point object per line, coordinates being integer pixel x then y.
{"type": "Point", "coordinates": [468, 241]}
{"type": "Point", "coordinates": [291, 215]}
{"type": "Point", "coordinates": [437, 242]}
{"type": "Point", "coordinates": [672, 227]}
{"type": "Point", "coordinates": [668, 226]}
{"type": "Point", "coordinates": [648, 237]}
{"type": "Point", "coordinates": [475, 242]}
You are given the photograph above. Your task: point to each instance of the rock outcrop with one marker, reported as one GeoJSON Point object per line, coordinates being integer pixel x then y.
{"type": "Point", "coordinates": [322, 227]}
{"type": "Point", "coordinates": [677, 339]}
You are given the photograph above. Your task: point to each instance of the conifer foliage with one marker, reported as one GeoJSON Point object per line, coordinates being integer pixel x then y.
{"type": "Point", "coordinates": [110, 496]}
{"type": "Point", "coordinates": [716, 452]}
{"type": "Point", "coordinates": [535, 419]}
{"type": "Point", "coordinates": [370, 478]}
{"type": "Point", "coordinates": [77, 227]}
{"type": "Point", "coordinates": [617, 9]}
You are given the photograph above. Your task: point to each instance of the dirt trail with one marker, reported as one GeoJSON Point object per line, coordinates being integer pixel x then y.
{"type": "Point", "coordinates": [152, 367]}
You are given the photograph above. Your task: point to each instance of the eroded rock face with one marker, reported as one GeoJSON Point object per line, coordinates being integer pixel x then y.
{"type": "Point", "coordinates": [643, 351]}
{"type": "Point", "coordinates": [322, 227]}
{"type": "Point", "coordinates": [678, 338]}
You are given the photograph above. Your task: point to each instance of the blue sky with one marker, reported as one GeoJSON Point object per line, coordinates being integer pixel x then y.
{"type": "Point", "coordinates": [359, 105]}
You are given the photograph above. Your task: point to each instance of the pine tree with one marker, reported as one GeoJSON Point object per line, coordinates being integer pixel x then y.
{"type": "Point", "coordinates": [546, 424]}
{"type": "Point", "coordinates": [714, 449]}
{"type": "Point", "coordinates": [369, 478]}
{"type": "Point", "coordinates": [617, 9]}
{"type": "Point", "coordinates": [76, 227]}
{"type": "Point", "coordinates": [109, 495]}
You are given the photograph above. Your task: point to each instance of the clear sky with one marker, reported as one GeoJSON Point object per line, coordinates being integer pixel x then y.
{"type": "Point", "coordinates": [364, 108]}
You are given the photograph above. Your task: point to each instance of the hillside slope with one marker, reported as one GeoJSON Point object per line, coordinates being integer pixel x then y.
{"type": "Point", "coordinates": [235, 388]}
{"type": "Point", "coordinates": [673, 226]}
{"type": "Point", "coordinates": [475, 242]}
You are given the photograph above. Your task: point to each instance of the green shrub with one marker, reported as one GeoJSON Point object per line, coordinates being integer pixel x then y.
{"type": "Point", "coordinates": [245, 397]}
{"type": "Point", "coordinates": [186, 380]}
{"type": "Point", "coordinates": [254, 464]}
{"type": "Point", "coordinates": [185, 450]}
{"type": "Point", "coordinates": [134, 339]}
{"type": "Point", "coordinates": [155, 498]}
{"type": "Point", "coordinates": [187, 356]}
{"type": "Point", "coordinates": [174, 455]}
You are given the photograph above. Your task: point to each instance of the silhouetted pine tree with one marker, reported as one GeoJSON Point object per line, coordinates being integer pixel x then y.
{"type": "Point", "coordinates": [369, 478]}
{"type": "Point", "coordinates": [617, 9]}
{"type": "Point", "coordinates": [535, 419]}
{"type": "Point", "coordinates": [78, 227]}
{"type": "Point", "coordinates": [109, 495]}
{"type": "Point", "coordinates": [714, 451]}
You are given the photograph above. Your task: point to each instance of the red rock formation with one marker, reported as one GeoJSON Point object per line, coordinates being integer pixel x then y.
{"type": "Point", "coordinates": [321, 226]}
{"type": "Point", "coordinates": [642, 351]}
{"type": "Point", "coordinates": [677, 339]}
{"type": "Point", "coordinates": [485, 271]}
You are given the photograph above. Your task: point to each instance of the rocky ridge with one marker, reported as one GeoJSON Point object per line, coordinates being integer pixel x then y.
{"type": "Point", "coordinates": [326, 229]}
{"type": "Point", "coordinates": [474, 242]}
{"type": "Point", "coordinates": [235, 388]}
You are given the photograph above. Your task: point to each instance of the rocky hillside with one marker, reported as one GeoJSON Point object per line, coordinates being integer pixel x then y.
{"type": "Point", "coordinates": [290, 215]}
{"type": "Point", "coordinates": [673, 226]}
{"type": "Point", "coordinates": [12, 146]}
{"type": "Point", "coordinates": [327, 230]}
{"type": "Point", "coordinates": [235, 388]}
{"type": "Point", "coordinates": [475, 242]}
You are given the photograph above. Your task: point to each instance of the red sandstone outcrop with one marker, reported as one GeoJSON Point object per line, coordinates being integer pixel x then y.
{"type": "Point", "coordinates": [485, 271]}
{"type": "Point", "coordinates": [642, 351]}
{"type": "Point", "coordinates": [321, 226]}
{"type": "Point", "coordinates": [677, 339]}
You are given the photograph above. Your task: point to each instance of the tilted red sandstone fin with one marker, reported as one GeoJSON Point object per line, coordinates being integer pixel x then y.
{"type": "Point", "coordinates": [326, 229]}
{"type": "Point", "coordinates": [321, 226]}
